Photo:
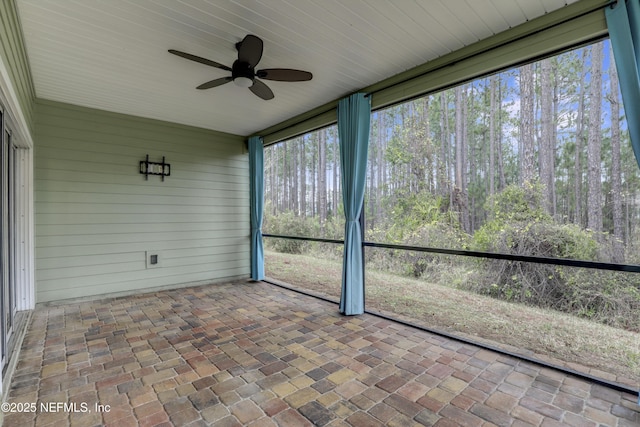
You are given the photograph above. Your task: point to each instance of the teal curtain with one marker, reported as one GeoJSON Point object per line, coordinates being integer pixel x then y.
{"type": "Point", "coordinates": [256, 193]}
{"type": "Point", "coordinates": [354, 116]}
{"type": "Point", "coordinates": [623, 21]}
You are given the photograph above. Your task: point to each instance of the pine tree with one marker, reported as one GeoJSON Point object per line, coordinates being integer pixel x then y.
{"type": "Point", "coordinates": [527, 164]}
{"type": "Point", "coordinates": [616, 178]}
{"type": "Point", "coordinates": [594, 140]}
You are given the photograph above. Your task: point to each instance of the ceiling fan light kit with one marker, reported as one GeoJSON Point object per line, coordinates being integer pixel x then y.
{"type": "Point", "coordinates": [243, 82]}
{"type": "Point", "coordinates": [243, 73]}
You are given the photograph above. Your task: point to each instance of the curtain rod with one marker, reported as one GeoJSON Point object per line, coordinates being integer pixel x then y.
{"type": "Point", "coordinates": [611, 3]}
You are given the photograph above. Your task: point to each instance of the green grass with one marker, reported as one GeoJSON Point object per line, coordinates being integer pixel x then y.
{"type": "Point", "coordinates": [587, 346]}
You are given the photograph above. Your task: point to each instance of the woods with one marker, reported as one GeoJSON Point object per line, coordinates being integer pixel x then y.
{"type": "Point", "coordinates": [558, 121]}
{"type": "Point", "coordinates": [535, 154]}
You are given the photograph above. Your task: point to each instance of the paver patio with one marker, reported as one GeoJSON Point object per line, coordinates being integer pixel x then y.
{"type": "Point", "coordinates": [250, 353]}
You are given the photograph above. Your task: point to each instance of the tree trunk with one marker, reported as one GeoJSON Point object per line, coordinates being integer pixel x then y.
{"type": "Point", "coordinates": [503, 180]}
{"type": "Point", "coordinates": [426, 143]}
{"type": "Point", "coordinates": [616, 178]}
{"type": "Point", "coordinates": [286, 202]}
{"type": "Point", "coordinates": [314, 179]}
{"type": "Point", "coordinates": [273, 193]}
{"type": "Point", "coordinates": [527, 165]}
{"type": "Point", "coordinates": [303, 176]}
{"type": "Point", "coordinates": [460, 198]}
{"type": "Point", "coordinates": [446, 144]}
{"type": "Point", "coordinates": [371, 188]}
{"type": "Point", "coordinates": [492, 133]}
{"type": "Point", "coordinates": [594, 180]}
{"type": "Point", "coordinates": [443, 167]}
{"type": "Point", "coordinates": [322, 176]}
{"type": "Point", "coordinates": [469, 158]}
{"type": "Point", "coordinates": [580, 141]}
{"type": "Point", "coordinates": [295, 177]}
{"type": "Point", "coordinates": [546, 145]}
{"type": "Point", "coordinates": [382, 176]}
{"type": "Point", "coordinates": [554, 140]}
{"type": "Point", "coordinates": [338, 170]}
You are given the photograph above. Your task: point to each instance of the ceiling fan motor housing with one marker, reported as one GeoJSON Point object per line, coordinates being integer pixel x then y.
{"type": "Point", "coordinates": [242, 69]}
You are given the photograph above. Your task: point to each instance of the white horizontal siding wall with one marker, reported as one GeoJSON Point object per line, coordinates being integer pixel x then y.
{"type": "Point", "coordinates": [96, 216]}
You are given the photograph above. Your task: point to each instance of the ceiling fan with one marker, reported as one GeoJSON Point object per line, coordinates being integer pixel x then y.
{"type": "Point", "coordinates": [243, 71]}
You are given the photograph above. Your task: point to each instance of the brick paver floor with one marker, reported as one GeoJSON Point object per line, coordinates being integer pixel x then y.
{"type": "Point", "coordinates": [252, 354]}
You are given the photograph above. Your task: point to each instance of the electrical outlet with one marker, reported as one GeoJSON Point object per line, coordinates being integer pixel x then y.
{"type": "Point", "coordinates": [153, 259]}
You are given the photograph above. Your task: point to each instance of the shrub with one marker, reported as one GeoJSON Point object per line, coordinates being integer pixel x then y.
{"type": "Point", "coordinates": [513, 205]}
{"type": "Point", "coordinates": [518, 225]}
{"type": "Point", "coordinates": [532, 283]}
{"type": "Point", "coordinates": [607, 297]}
{"type": "Point", "coordinates": [416, 263]}
{"type": "Point", "coordinates": [288, 224]}
{"type": "Point", "coordinates": [420, 219]}
{"type": "Point", "coordinates": [414, 211]}
{"type": "Point", "coordinates": [436, 235]}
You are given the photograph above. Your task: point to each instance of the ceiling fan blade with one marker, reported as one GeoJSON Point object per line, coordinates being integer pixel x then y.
{"type": "Point", "coordinates": [199, 59]}
{"type": "Point", "coordinates": [284, 75]}
{"type": "Point", "coordinates": [250, 50]}
{"type": "Point", "coordinates": [214, 83]}
{"type": "Point", "coordinates": [262, 90]}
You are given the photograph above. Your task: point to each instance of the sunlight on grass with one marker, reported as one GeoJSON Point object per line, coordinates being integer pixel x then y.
{"type": "Point", "coordinates": [614, 353]}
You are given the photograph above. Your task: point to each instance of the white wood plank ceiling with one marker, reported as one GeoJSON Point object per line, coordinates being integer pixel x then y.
{"type": "Point", "coordinates": [112, 54]}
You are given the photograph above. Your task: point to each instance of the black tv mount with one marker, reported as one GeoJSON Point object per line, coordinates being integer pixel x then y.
{"type": "Point", "coordinates": [154, 168]}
